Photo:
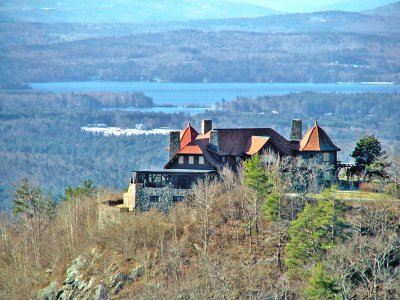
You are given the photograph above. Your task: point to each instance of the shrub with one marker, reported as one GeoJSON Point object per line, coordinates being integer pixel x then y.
{"type": "Point", "coordinates": [369, 187]}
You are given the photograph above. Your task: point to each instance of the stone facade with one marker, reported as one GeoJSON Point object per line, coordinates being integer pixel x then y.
{"type": "Point", "coordinates": [214, 139]}
{"type": "Point", "coordinates": [206, 126]}
{"type": "Point", "coordinates": [296, 133]}
{"type": "Point", "coordinates": [174, 143]}
{"type": "Point", "coordinates": [166, 197]}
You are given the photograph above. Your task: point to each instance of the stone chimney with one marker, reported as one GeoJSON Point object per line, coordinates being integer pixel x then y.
{"type": "Point", "coordinates": [206, 126]}
{"type": "Point", "coordinates": [296, 133]}
{"type": "Point", "coordinates": [174, 143]}
{"type": "Point", "coordinates": [214, 139]}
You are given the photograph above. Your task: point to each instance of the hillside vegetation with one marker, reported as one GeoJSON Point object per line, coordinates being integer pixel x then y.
{"type": "Point", "coordinates": [194, 56]}
{"type": "Point", "coordinates": [41, 137]}
{"type": "Point", "coordinates": [236, 238]}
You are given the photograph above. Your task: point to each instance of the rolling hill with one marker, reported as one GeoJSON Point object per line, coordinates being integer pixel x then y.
{"type": "Point", "coordinates": [390, 10]}
{"type": "Point", "coordinates": [106, 11]}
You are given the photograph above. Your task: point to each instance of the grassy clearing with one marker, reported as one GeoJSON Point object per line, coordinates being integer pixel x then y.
{"type": "Point", "coordinates": [360, 195]}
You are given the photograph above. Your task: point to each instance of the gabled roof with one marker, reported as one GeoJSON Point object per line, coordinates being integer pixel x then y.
{"type": "Point", "coordinates": [255, 144]}
{"type": "Point", "coordinates": [191, 148]}
{"type": "Point", "coordinates": [316, 139]}
{"type": "Point", "coordinates": [188, 135]}
{"type": "Point", "coordinates": [197, 146]}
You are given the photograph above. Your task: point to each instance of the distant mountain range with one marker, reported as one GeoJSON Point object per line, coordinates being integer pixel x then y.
{"type": "Point", "coordinates": [304, 6]}
{"type": "Point", "coordinates": [327, 46]}
{"type": "Point", "coordinates": [392, 9]}
{"type": "Point", "coordinates": [136, 11]}
{"type": "Point", "coordinates": [142, 11]}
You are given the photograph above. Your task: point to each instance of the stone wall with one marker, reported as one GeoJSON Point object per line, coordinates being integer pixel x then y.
{"type": "Point", "coordinates": [296, 133]}
{"type": "Point", "coordinates": [174, 143]}
{"type": "Point", "coordinates": [165, 195]}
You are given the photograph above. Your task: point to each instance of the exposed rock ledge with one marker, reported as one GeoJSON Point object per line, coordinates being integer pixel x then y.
{"type": "Point", "coordinates": [82, 281]}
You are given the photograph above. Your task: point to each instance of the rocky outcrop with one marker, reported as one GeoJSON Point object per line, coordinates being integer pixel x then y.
{"type": "Point", "coordinates": [84, 280]}
{"type": "Point", "coordinates": [50, 292]}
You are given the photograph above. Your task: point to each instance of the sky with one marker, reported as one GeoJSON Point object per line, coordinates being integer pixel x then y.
{"type": "Point", "coordinates": [314, 5]}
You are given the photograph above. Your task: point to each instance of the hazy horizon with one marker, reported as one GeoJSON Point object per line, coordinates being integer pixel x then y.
{"type": "Point", "coordinates": [107, 11]}
{"type": "Point", "coordinates": [293, 6]}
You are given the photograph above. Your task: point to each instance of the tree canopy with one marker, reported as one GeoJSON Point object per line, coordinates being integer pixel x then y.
{"type": "Point", "coordinates": [313, 232]}
{"type": "Point", "coordinates": [368, 149]}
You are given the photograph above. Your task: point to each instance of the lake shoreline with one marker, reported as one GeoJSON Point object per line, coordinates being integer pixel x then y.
{"type": "Point", "coordinates": [194, 96]}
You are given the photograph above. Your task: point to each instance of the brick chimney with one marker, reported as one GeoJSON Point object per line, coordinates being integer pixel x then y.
{"type": "Point", "coordinates": [206, 126]}
{"type": "Point", "coordinates": [296, 133]}
{"type": "Point", "coordinates": [174, 143]}
{"type": "Point", "coordinates": [214, 139]}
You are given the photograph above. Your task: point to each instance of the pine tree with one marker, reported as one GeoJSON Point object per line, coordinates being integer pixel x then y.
{"type": "Point", "coordinates": [315, 230]}
{"type": "Point", "coordinates": [272, 207]}
{"type": "Point", "coordinates": [321, 286]}
{"type": "Point", "coordinates": [257, 179]}
{"type": "Point", "coordinates": [88, 189]}
{"type": "Point", "coordinates": [369, 157]}
{"type": "Point", "coordinates": [367, 150]}
{"type": "Point", "coordinates": [27, 199]}
{"type": "Point", "coordinates": [32, 205]}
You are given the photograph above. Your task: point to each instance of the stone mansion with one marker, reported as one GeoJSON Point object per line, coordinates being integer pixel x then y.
{"type": "Point", "coordinates": [194, 156]}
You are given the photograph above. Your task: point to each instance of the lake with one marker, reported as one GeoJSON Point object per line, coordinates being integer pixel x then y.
{"type": "Point", "coordinates": [208, 94]}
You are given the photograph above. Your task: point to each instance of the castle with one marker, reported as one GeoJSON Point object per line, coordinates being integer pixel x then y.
{"type": "Point", "coordinates": [194, 156]}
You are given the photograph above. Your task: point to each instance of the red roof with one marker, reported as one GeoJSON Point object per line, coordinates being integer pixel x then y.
{"type": "Point", "coordinates": [254, 144]}
{"type": "Point", "coordinates": [316, 139]}
{"type": "Point", "coordinates": [188, 135]}
{"type": "Point", "coordinates": [191, 148]}
{"type": "Point", "coordinates": [239, 141]}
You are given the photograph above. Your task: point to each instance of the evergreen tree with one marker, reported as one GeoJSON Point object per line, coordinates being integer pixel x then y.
{"type": "Point", "coordinates": [27, 199]}
{"type": "Point", "coordinates": [369, 157]}
{"type": "Point", "coordinates": [321, 286]}
{"type": "Point", "coordinates": [272, 207]}
{"type": "Point", "coordinates": [367, 150]}
{"type": "Point", "coordinates": [315, 230]}
{"type": "Point", "coordinates": [29, 202]}
{"type": "Point", "coordinates": [88, 189]}
{"type": "Point", "coordinates": [257, 179]}
{"type": "Point", "coordinates": [256, 176]}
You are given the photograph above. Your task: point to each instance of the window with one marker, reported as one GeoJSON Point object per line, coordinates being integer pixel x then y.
{"type": "Point", "coordinates": [191, 160]}
{"type": "Point", "coordinates": [237, 159]}
{"type": "Point", "coordinates": [326, 156]}
{"type": "Point", "coordinates": [177, 198]}
{"type": "Point", "coordinates": [154, 198]}
{"type": "Point", "coordinates": [223, 159]}
{"type": "Point", "coordinates": [201, 160]}
{"type": "Point", "coordinates": [180, 159]}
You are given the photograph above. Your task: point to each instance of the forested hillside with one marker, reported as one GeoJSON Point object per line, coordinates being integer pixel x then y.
{"type": "Point", "coordinates": [240, 237]}
{"type": "Point", "coordinates": [41, 136]}
{"type": "Point", "coordinates": [195, 56]}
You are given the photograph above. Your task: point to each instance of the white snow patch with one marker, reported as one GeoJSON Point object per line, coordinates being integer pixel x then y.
{"type": "Point", "coordinates": [116, 131]}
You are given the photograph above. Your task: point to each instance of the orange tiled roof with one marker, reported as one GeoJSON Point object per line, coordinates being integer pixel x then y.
{"type": "Point", "coordinates": [255, 143]}
{"type": "Point", "coordinates": [191, 148]}
{"type": "Point", "coordinates": [197, 146]}
{"type": "Point", "coordinates": [188, 135]}
{"type": "Point", "coordinates": [316, 139]}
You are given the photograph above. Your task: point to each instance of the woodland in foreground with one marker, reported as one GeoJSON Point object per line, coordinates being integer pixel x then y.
{"type": "Point", "coordinates": [241, 237]}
